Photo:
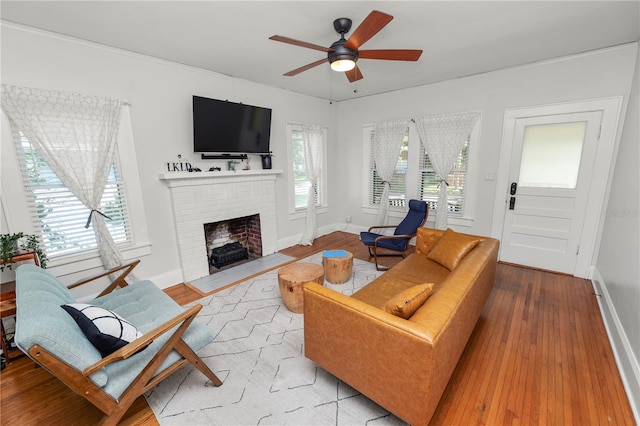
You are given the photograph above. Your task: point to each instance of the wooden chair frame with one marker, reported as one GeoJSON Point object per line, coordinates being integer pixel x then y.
{"type": "Point", "coordinates": [80, 382]}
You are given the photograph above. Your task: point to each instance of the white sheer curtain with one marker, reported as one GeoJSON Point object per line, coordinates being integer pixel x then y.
{"type": "Point", "coordinates": [313, 137]}
{"type": "Point", "coordinates": [76, 136]}
{"type": "Point", "coordinates": [387, 141]}
{"type": "Point", "coordinates": [442, 137]}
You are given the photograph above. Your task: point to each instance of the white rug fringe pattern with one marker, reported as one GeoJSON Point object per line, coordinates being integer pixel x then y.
{"type": "Point", "coordinates": [258, 354]}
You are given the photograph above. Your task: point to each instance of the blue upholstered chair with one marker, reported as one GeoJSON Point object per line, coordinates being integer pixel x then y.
{"type": "Point", "coordinates": [398, 243]}
{"type": "Point", "coordinates": [169, 338]}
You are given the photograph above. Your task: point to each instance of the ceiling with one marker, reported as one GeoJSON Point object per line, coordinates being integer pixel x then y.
{"type": "Point", "coordinates": [458, 38]}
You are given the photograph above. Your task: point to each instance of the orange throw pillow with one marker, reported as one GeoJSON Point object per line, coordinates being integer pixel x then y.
{"type": "Point", "coordinates": [405, 303]}
{"type": "Point", "coordinates": [452, 248]}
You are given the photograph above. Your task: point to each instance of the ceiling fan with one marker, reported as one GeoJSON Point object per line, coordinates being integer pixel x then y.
{"type": "Point", "coordinates": [344, 53]}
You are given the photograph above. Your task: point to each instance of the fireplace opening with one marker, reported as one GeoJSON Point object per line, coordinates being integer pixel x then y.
{"type": "Point", "coordinates": [228, 254]}
{"type": "Point", "coordinates": [232, 242]}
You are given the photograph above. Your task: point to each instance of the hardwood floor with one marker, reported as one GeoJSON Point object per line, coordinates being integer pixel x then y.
{"type": "Point", "coordinates": [539, 355]}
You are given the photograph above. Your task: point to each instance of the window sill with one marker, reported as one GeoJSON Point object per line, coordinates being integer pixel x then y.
{"type": "Point", "coordinates": [70, 264]}
{"type": "Point", "coordinates": [302, 213]}
{"type": "Point", "coordinates": [393, 212]}
{"type": "Point", "coordinates": [466, 222]}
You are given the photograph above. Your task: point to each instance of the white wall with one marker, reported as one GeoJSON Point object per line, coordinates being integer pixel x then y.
{"type": "Point", "coordinates": [160, 93]}
{"type": "Point", "coordinates": [618, 266]}
{"type": "Point", "coordinates": [592, 75]}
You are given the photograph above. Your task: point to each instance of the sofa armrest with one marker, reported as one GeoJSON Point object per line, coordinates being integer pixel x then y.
{"type": "Point", "coordinates": [118, 282]}
{"type": "Point", "coordinates": [375, 352]}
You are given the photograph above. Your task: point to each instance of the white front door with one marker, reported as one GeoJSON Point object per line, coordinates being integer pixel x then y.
{"type": "Point", "coordinates": [550, 175]}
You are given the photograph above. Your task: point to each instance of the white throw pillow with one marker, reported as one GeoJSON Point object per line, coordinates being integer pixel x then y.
{"type": "Point", "coordinates": [105, 329]}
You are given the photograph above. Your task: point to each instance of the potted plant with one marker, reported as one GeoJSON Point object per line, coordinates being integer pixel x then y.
{"type": "Point", "coordinates": [13, 244]}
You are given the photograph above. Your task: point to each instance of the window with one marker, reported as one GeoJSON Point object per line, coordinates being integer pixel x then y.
{"type": "Point", "coordinates": [300, 182]}
{"type": "Point", "coordinates": [397, 186]}
{"type": "Point", "coordinates": [60, 216]}
{"type": "Point", "coordinates": [429, 184]}
{"type": "Point", "coordinates": [20, 207]}
{"type": "Point", "coordinates": [551, 155]}
{"type": "Point", "coordinates": [415, 178]}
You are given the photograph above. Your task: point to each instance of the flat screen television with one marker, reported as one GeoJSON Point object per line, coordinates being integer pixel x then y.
{"type": "Point", "coordinates": [229, 127]}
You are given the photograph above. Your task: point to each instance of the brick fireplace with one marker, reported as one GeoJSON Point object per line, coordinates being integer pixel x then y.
{"type": "Point", "coordinates": [200, 198]}
{"type": "Point", "coordinates": [231, 241]}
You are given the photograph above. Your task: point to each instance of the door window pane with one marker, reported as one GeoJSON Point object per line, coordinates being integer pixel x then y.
{"type": "Point", "coordinates": [551, 155]}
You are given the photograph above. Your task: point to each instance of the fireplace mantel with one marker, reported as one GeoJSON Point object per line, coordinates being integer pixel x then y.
{"type": "Point", "coordinates": [198, 198]}
{"type": "Point", "coordinates": [200, 178]}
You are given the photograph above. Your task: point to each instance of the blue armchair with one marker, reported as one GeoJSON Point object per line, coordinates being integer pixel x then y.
{"type": "Point", "coordinates": [398, 243]}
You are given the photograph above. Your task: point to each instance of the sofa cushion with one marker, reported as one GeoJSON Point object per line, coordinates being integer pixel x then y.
{"type": "Point", "coordinates": [405, 303]}
{"type": "Point", "coordinates": [40, 321]}
{"type": "Point", "coordinates": [417, 269]}
{"type": "Point", "coordinates": [144, 305]}
{"type": "Point", "coordinates": [452, 248]}
{"type": "Point", "coordinates": [105, 329]}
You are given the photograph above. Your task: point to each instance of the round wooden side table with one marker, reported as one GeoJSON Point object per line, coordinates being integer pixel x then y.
{"type": "Point", "coordinates": [338, 265]}
{"type": "Point", "coordinates": [291, 279]}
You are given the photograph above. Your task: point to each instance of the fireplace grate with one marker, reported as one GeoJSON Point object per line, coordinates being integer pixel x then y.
{"type": "Point", "coordinates": [228, 254]}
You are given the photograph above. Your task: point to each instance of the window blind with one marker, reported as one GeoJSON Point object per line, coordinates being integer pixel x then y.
{"type": "Point", "coordinates": [60, 216]}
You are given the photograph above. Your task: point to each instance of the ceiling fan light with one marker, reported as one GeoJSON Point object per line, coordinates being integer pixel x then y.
{"type": "Point", "coordinates": [342, 65]}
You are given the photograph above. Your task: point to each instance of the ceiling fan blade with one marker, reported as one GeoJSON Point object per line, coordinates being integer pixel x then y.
{"type": "Point", "coordinates": [354, 74]}
{"type": "Point", "coordinates": [367, 29]}
{"type": "Point", "coordinates": [391, 54]}
{"type": "Point", "coordinates": [306, 67]}
{"type": "Point", "coordinates": [300, 43]}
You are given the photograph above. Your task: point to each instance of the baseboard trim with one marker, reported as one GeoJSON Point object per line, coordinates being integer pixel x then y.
{"type": "Point", "coordinates": [627, 364]}
{"type": "Point", "coordinates": [168, 279]}
{"type": "Point", "coordinates": [295, 239]}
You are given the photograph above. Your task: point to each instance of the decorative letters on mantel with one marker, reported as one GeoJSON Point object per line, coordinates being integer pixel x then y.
{"type": "Point", "coordinates": [179, 166]}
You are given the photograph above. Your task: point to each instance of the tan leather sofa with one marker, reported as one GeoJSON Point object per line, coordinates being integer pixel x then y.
{"type": "Point", "coordinates": [403, 365]}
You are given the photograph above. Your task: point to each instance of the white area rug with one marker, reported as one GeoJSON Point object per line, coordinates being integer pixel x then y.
{"type": "Point", "coordinates": [258, 353]}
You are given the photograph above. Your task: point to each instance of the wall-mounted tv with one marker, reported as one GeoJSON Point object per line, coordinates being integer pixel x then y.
{"type": "Point", "coordinates": [229, 127]}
